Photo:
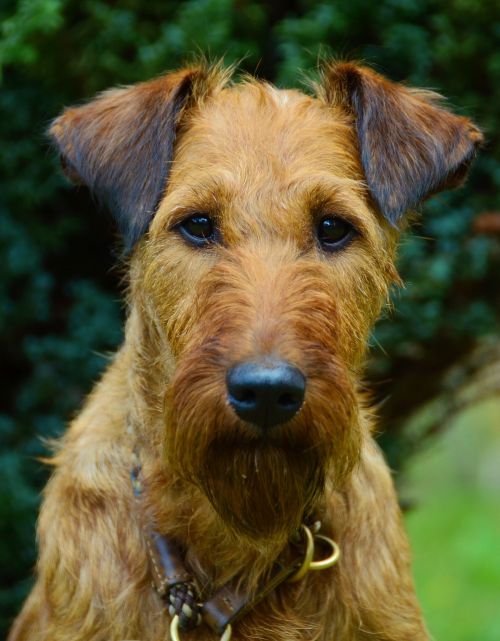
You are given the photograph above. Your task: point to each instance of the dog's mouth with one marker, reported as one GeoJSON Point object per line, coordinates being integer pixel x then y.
{"type": "Point", "coordinates": [289, 437]}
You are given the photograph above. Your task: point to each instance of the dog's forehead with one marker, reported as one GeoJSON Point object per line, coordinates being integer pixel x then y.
{"type": "Point", "coordinates": [254, 130]}
{"type": "Point", "coordinates": [263, 152]}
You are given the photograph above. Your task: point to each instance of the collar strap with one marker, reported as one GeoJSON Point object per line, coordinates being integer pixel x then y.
{"type": "Point", "coordinates": [230, 603]}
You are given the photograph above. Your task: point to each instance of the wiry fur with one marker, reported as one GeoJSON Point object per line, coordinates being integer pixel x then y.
{"type": "Point", "coordinates": [267, 165]}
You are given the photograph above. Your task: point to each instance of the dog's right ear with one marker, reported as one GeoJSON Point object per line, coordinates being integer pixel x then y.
{"type": "Point", "coordinates": [121, 145]}
{"type": "Point", "coordinates": [410, 146]}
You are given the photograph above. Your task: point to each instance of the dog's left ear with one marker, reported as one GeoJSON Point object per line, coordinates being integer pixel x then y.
{"type": "Point", "coordinates": [410, 146]}
{"type": "Point", "coordinates": [121, 145]}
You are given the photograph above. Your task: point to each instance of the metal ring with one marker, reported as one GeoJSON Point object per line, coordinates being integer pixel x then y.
{"type": "Point", "coordinates": [308, 556]}
{"type": "Point", "coordinates": [227, 633]}
{"type": "Point", "coordinates": [323, 564]}
{"type": "Point", "coordinates": [174, 630]}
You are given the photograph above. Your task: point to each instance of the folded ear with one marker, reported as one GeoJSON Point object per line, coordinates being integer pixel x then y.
{"type": "Point", "coordinates": [121, 145]}
{"type": "Point", "coordinates": [410, 146]}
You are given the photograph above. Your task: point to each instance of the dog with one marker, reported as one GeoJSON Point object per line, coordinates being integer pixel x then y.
{"type": "Point", "coordinates": [228, 450]}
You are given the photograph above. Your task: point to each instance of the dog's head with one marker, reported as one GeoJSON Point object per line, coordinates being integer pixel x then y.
{"type": "Point", "coordinates": [262, 225]}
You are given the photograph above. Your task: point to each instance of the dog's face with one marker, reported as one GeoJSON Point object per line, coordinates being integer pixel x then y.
{"type": "Point", "coordinates": [265, 251]}
{"type": "Point", "coordinates": [264, 267]}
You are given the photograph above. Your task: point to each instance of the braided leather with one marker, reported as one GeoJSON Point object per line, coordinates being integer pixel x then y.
{"type": "Point", "coordinates": [183, 602]}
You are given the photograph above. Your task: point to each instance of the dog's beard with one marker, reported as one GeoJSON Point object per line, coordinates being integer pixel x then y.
{"type": "Point", "coordinates": [260, 490]}
{"type": "Point", "coordinates": [261, 486]}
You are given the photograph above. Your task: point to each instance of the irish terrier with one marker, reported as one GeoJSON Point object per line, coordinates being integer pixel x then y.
{"type": "Point", "coordinates": [261, 228]}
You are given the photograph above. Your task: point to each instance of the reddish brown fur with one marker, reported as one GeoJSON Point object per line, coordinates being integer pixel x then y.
{"type": "Point", "coordinates": [266, 164]}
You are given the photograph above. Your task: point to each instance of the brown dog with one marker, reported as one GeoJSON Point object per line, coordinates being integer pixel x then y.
{"type": "Point", "coordinates": [262, 227]}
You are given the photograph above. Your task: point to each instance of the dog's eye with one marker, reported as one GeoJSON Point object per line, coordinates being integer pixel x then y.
{"type": "Point", "coordinates": [334, 232]}
{"type": "Point", "coordinates": [198, 229]}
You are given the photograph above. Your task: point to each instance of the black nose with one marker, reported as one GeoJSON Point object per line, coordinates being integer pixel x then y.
{"type": "Point", "coordinates": [265, 393]}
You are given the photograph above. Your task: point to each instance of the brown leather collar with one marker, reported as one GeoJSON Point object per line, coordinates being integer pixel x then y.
{"type": "Point", "coordinates": [230, 602]}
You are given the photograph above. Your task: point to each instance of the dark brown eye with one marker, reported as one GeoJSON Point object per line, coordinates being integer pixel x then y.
{"type": "Point", "coordinates": [198, 229]}
{"type": "Point", "coordinates": [334, 232]}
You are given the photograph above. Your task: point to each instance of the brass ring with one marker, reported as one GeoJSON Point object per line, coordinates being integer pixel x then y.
{"type": "Point", "coordinates": [308, 556]}
{"type": "Point", "coordinates": [174, 630]}
{"type": "Point", "coordinates": [323, 564]}
{"type": "Point", "coordinates": [227, 633]}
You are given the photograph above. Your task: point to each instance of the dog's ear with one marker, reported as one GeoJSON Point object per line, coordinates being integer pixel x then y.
{"type": "Point", "coordinates": [410, 146]}
{"type": "Point", "coordinates": [121, 145]}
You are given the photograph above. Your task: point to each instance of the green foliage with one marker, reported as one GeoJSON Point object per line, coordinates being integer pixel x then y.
{"type": "Point", "coordinates": [59, 302]}
{"type": "Point", "coordinates": [455, 528]}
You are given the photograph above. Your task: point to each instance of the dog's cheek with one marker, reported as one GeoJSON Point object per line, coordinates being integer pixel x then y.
{"type": "Point", "coordinates": [167, 286]}
{"type": "Point", "coordinates": [359, 283]}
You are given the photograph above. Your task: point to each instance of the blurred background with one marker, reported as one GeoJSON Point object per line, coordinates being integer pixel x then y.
{"type": "Point", "coordinates": [435, 364]}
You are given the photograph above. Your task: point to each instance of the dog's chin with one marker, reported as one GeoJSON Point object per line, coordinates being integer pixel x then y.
{"type": "Point", "coordinates": [261, 491]}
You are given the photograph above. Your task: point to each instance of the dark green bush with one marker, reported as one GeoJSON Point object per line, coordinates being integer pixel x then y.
{"type": "Point", "coordinates": [59, 297]}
